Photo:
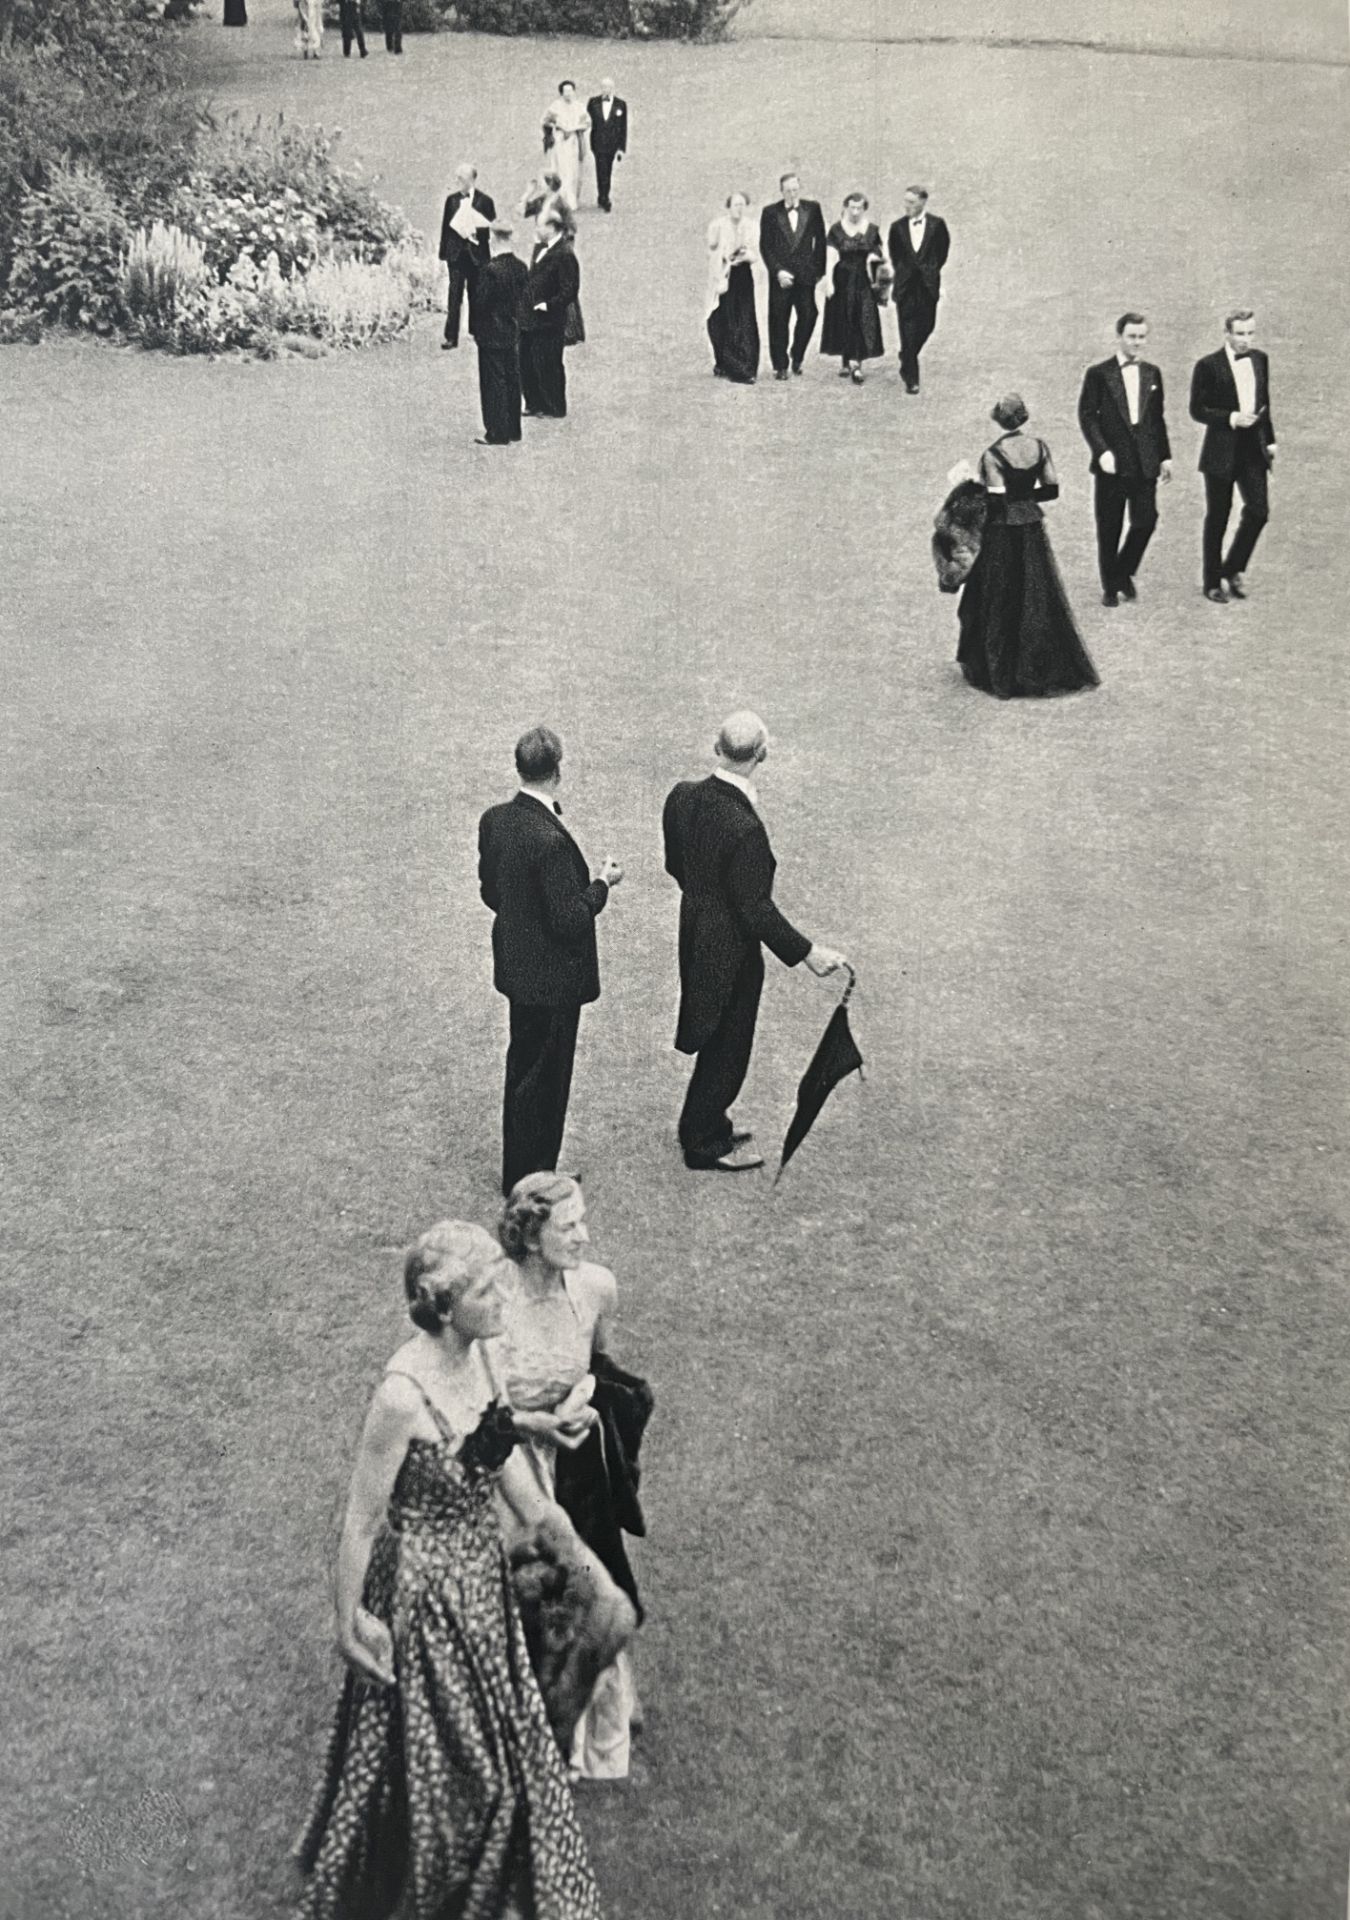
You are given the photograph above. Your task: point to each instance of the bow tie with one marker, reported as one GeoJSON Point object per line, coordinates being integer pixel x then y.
{"type": "Point", "coordinates": [917, 219]}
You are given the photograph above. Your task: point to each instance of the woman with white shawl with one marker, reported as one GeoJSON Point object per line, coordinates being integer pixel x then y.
{"type": "Point", "coordinates": [566, 125]}
{"type": "Point", "coordinates": [308, 27]}
{"type": "Point", "coordinates": [733, 242]}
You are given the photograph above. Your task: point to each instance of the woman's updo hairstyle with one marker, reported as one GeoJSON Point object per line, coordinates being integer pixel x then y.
{"type": "Point", "coordinates": [1010, 412]}
{"type": "Point", "coordinates": [437, 1267]}
{"type": "Point", "coordinates": [528, 1206]}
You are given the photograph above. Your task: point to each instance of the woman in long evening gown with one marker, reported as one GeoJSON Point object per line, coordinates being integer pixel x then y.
{"type": "Point", "coordinates": [566, 124]}
{"type": "Point", "coordinates": [733, 328]}
{"type": "Point", "coordinates": [852, 324]}
{"type": "Point", "coordinates": [444, 1791]}
{"type": "Point", "coordinates": [309, 28]}
{"type": "Point", "coordinates": [1018, 634]}
{"type": "Point", "coordinates": [555, 1324]}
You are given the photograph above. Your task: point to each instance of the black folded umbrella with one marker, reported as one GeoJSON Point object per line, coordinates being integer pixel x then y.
{"type": "Point", "coordinates": [834, 1059]}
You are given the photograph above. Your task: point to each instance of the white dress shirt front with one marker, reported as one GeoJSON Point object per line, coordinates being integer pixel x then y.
{"type": "Point", "coordinates": [1129, 373]}
{"type": "Point", "coordinates": [1244, 379]}
{"type": "Point", "coordinates": [918, 227]}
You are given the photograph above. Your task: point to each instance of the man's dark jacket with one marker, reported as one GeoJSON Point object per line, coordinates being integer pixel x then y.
{"type": "Point", "coordinates": [1104, 416]}
{"type": "Point", "coordinates": [534, 877]}
{"type": "Point", "coordinates": [453, 245]}
{"type": "Point", "coordinates": [801, 254]}
{"type": "Point", "coordinates": [1214, 397]}
{"type": "Point", "coordinates": [718, 851]}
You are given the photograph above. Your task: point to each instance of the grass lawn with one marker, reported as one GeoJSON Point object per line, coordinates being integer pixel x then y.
{"type": "Point", "coordinates": [998, 1557]}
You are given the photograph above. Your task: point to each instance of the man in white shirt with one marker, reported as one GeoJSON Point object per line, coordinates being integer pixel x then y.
{"type": "Point", "coordinates": [608, 137]}
{"type": "Point", "coordinates": [1230, 398]}
{"type": "Point", "coordinates": [1121, 414]}
{"type": "Point", "coordinates": [918, 244]}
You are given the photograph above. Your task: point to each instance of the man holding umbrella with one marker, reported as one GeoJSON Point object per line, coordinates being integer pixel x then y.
{"type": "Point", "coordinates": [718, 852]}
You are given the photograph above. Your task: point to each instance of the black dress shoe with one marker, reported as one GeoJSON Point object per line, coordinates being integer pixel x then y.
{"type": "Point", "coordinates": [740, 1136]}
{"type": "Point", "coordinates": [797, 367]}
{"type": "Point", "coordinates": [1110, 598]}
{"type": "Point", "coordinates": [911, 386]}
{"type": "Point", "coordinates": [1236, 586]}
{"type": "Point", "coordinates": [1128, 590]}
{"type": "Point", "coordinates": [1217, 595]}
{"type": "Point", "coordinates": [448, 346]}
{"type": "Point", "coordinates": [780, 373]}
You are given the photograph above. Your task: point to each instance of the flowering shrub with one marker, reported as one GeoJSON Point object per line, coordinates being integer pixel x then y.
{"type": "Point", "coordinates": [163, 275]}
{"type": "Point", "coordinates": [67, 251]}
{"type": "Point", "coordinates": [269, 159]}
{"type": "Point", "coordinates": [232, 224]}
{"type": "Point", "coordinates": [350, 303]}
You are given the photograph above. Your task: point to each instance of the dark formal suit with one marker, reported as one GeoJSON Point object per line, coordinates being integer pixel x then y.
{"type": "Point", "coordinates": [349, 16]}
{"type": "Point", "coordinates": [608, 138]}
{"type": "Point", "coordinates": [534, 877]}
{"type": "Point", "coordinates": [555, 281]}
{"type": "Point", "coordinates": [718, 852]}
{"type": "Point", "coordinates": [392, 11]}
{"type": "Point", "coordinates": [463, 259]}
{"type": "Point", "coordinates": [802, 254]}
{"type": "Point", "coordinates": [1231, 456]}
{"type": "Point", "coordinates": [917, 287]}
{"type": "Point", "coordinates": [1139, 450]}
{"type": "Point", "coordinates": [500, 290]}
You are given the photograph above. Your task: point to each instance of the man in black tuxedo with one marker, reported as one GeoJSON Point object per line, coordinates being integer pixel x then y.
{"type": "Point", "coordinates": [1230, 397]}
{"type": "Point", "coordinates": [718, 853]}
{"type": "Point", "coordinates": [464, 255]}
{"type": "Point", "coordinates": [553, 284]}
{"type": "Point", "coordinates": [533, 876]}
{"type": "Point", "coordinates": [392, 11]}
{"type": "Point", "coordinates": [609, 138]}
{"type": "Point", "coordinates": [501, 288]}
{"type": "Point", "coordinates": [1121, 413]}
{"type": "Point", "coordinates": [792, 247]}
{"type": "Point", "coordinates": [918, 244]}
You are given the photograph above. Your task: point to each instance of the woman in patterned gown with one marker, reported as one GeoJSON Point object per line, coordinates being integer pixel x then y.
{"type": "Point", "coordinates": [444, 1791]}
{"type": "Point", "coordinates": [1019, 638]}
{"type": "Point", "coordinates": [555, 1322]}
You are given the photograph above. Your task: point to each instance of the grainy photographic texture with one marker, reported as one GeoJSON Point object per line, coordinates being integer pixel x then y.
{"type": "Point", "coordinates": [996, 1488]}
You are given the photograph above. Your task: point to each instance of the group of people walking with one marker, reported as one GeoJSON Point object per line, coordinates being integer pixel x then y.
{"type": "Point", "coordinates": [791, 241]}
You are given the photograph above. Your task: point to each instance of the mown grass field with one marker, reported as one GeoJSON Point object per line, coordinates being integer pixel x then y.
{"type": "Point", "coordinates": [998, 1553]}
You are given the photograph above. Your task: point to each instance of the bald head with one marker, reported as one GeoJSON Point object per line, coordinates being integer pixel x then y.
{"type": "Point", "coordinates": [742, 740]}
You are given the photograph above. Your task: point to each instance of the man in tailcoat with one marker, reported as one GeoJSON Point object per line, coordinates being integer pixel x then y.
{"type": "Point", "coordinates": [1121, 413]}
{"type": "Point", "coordinates": [718, 852]}
{"type": "Point", "coordinates": [1230, 398]}
{"type": "Point", "coordinates": [609, 138]}
{"type": "Point", "coordinates": [534, 878]}
{"type": "Point", "coordinates": [462, 255]}
{"type": "Point", "coordinates": [792, 247]}
{"type": "Point", "coordinates": [501, 288]}
{"type": "Point", "coordinates": [553, 284]}
{"type": "Point", "coordinates": [918, 244]}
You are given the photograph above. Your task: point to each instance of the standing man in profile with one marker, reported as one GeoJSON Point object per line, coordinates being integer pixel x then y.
{"type": "Point", "coordinates": [792, 247]}
{"type": "Point", "coordinates": [553, 283]}
{"type": "Point", "coordinates": [918, 244]}
{"type": "Point", "coordinates": [609, 138]}
{"type": "Point", "coordinates": [534, 877]}
{"type": "Point", "coordinates": [718, 853]}
{"type": "Point", "coordinates": [464, 246]}
{"type": "Point", "coordinates": [1230, 397]}
{"type": "Point", "coordinates": [501, 288]}
{"type": "Point", "coordinates": [1121, 413]}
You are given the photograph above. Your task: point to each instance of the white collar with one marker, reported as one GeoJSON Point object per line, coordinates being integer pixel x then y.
{"type": "Point", "coordinates": [1235, 359]}
{"type": "Point", "coordinates": [544, 799]}
{"type": "Point", "coordinates": [1125, 364]}
{"type": "Point", "coordinates": [747, 787]}
{"type": "Point", "coordinates": [917, 219]}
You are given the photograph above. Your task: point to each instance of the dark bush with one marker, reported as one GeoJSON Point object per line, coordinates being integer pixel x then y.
{"type": "Point", "coordinates": [68, 250]}
{"type": "Point", "coordinates": [669, 19]}
{"type": "Point", "coordinates": [270, 161]}
{"type": "Point", "coordinates": [419, 16]}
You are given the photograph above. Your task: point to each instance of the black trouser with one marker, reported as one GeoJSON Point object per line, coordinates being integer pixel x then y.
{"type": "Point", "coordinates": [1112, 494]}
{"type": "Point", "coordinates": [604, 175]}
{"type": "Point", "coordinates": [799, 298]}
{"type": "Point", "coordinates": [916, 311]}
{"type": "Point", "coordinates": [460, 275]}
{"type": "Point", "coordinates": [349, 13]}
{"type": "Point", "coordinates": [1249, 476]}
{"type": "Point", "coordinates": [722, 1064]}
{"type": "Point", "coordinates": [499, 391]}
{"type": "Point", "coordinates": [393, 24]}
{"type": "Point", "coordinates": [543, 376]}
{"type": "Point", "coordinates": [539, 1059]}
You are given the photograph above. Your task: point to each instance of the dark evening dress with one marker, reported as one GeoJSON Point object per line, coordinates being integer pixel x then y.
{"type": "Point", "coordinates": [1018, 634]}
{"type": "Point", "coordinates": [236, 13]}
{"type": "Point", "coordinates": [733, 328]}
{"type": "Point", "coordinates": [445, 1797]}
{"type": "Point", "coordinates": [852, 325]}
